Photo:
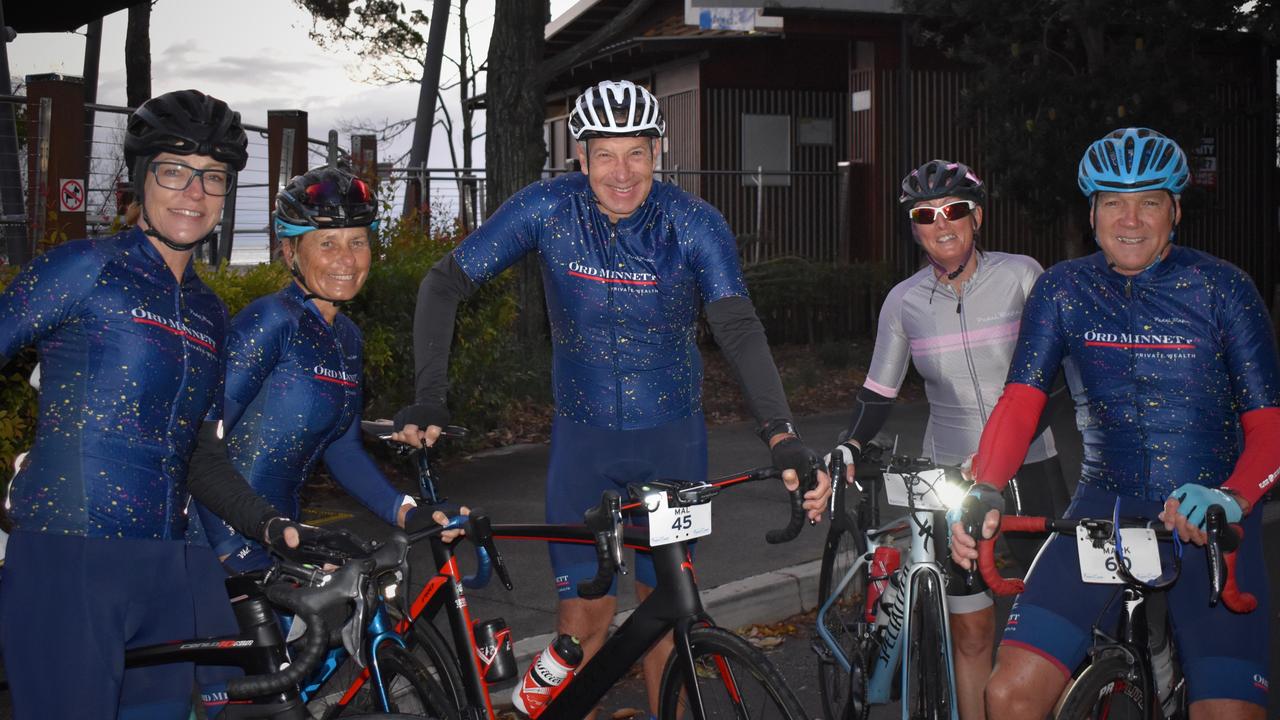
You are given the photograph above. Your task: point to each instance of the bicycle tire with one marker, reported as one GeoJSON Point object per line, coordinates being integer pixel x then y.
{"type": "Point", "coordinates": [725, 662]}
{"type": "Point", "coordinates": [841, 697]}
{"type": "Point", "coordinates": [928, 692]}
{"type": "Point", "coordinates": [1109, 687]}
{"type": "Point", "coordinates": [433, 651]}
{"type": "Point", "coordinates": [410, 687]}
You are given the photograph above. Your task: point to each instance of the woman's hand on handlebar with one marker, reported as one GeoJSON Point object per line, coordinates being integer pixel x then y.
{"type": "Point", "coordinates": [417, 520]}
{"type": "Point", "coordinates": [417, 437]}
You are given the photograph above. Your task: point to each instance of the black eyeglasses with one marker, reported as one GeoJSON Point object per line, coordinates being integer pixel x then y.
{"type": "Point", "coordinates": [177, 176]}
{"type": "Point", "coordinates": [952, 211]}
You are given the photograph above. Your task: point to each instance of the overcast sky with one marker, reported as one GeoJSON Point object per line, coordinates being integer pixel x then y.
{"type": "Point", "coordinates": [256, 55]}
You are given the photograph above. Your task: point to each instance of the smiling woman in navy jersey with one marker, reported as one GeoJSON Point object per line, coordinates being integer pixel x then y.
{"type": "Point", "coordinates": [294, 363]}
{"type": "Point", "coordinates": [130, 343]}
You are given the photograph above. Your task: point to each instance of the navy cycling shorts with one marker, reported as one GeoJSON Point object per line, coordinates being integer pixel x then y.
{"type": "Point", "coordinates": [587, 460]}
{"type": "Point", "coordinates": [70, 607]}
{"type": "Point", "coordinates": [1223, 655]}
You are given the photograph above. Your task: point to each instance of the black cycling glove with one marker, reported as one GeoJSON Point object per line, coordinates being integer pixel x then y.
{"type": "Point", "coordinates": [316, 545]}
{"type": "Point", "coordinates": [792, 454]}
{"type": "Point", "coordinates": [423, 415]}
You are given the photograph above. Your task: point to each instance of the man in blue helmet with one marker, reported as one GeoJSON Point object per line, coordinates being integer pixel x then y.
{"type": "Point", "coordinates": [627, 265]}
{"type": "Point", "coordinates": [1172, 354]}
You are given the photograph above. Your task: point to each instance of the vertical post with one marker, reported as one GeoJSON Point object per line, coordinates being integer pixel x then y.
{"type": "Point", "coordinates": [38, 171]}
{"type": "Point", "coordinates": [92, 52]}
{"type": "Point", "coordinates": [904, 143]}
{"type": "Point", "coordinates": [364, 157]}
{"type": "Point", "coordinates": [226, 236]}
{"type": "Point", "coordinates": [759, 213]}
{"type": "Point", "coordinates": [286, 157]}
{"type": "Point", "coordinates": [332, 154]}
{"type": "Point", "coordinates": [842, 212]}
{"type": "Point", "coordinates": [66, 152]}
{"type": "Point", "coordinates": [17, 246]}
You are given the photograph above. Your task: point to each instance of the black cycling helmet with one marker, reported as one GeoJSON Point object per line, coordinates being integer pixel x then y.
{"type": "Point", "coordinates": [326, 197]}
{"type": "Point", "coordinates": [186, 122]}
{"type": "Point", "coordinates": [941, 178]}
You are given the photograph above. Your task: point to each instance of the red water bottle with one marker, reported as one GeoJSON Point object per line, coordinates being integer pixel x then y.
{"type": "Point", "coordinates": [883, 563]}
{"type": "Point", "coordinates": [548, 674]}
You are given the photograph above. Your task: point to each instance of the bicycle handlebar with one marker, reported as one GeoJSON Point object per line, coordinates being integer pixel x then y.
{"type": "Point", "coordinates": [1220, 554]}
{"type": "Point", "coordinates": [309, 602]}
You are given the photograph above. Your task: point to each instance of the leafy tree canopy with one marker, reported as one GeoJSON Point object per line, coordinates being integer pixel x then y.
{"type": "Point", "coordinates": [1051, 76]}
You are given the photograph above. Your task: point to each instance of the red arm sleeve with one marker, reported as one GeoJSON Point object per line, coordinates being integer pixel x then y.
{"type": "Point", "coordinates": [1008, 434]}
{"type": "Point", "coordinates": [1259, 465]}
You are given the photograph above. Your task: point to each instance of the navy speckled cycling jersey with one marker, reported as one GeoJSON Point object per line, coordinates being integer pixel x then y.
{"type": "Point", "coordinates": [130, 365]}
{"type": "Point", "coordinates": [1169, 360]}
{"type": "Point", "coordinates": [623, 299]}
{"type": "Point", "coordinates": [292, 392]}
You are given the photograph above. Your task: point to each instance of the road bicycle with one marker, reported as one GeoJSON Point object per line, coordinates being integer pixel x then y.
{"type": "Point", "coordinates": [275, 667]}
{"type": "Point", "coordinates": [1117, 679]}
{"type": "Point", "coordinates": [878, 623]}
{"type": "Point", "coordinates": [712, 672]}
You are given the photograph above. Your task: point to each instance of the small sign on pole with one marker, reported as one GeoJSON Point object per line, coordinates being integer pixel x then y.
{"type": "Point", "coordinates": [71, 195]}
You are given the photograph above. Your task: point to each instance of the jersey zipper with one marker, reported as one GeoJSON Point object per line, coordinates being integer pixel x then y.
{"type": "Point", "coordinates": [968, 358]}
{"type": "Point", "coordinates": [613, 327]}
{"type": "Point", "coordinates": [1133, 373]}
{"type": "Point", "coordinates": [178, 307]}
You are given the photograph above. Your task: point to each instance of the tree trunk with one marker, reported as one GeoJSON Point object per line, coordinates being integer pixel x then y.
{"type": "Point", "coordinates": [514, 148]}
{"type": "Point", "coordinates": [137, 55]}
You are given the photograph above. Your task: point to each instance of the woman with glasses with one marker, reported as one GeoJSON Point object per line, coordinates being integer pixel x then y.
{"type": "Point", "coordinates": [130, 343]}
{"type": "Point", "coordinates": [957, 321]}
{"type": "Point", "coordinates": [294, 363]}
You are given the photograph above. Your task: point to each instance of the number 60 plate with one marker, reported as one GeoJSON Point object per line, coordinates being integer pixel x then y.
{"type": "Point", "coordinates": [1098, 565]}
{"type": "Point", "coordinates": [668, 525]}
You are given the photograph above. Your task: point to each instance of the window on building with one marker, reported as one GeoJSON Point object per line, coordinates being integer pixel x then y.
{"type": "Point", "coordinates": [766, 146]}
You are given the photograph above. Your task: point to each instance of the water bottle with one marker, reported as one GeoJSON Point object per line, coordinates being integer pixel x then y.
{"type": "Point", "coordinates": [883, 564]}
{"type": "Point", "coordinates": [493, 642]}
{"type": "Point", "coordinates": [549, 673]}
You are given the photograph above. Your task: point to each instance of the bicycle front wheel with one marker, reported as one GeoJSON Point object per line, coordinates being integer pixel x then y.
{"type": "Point", "coordinates": [734, 680]}
{"type": "Point", "coordinates": [928, 692]}
{"type": "Point", "coordinates": [436, 655]}
{"type": "Point", "coordinates": [843, 694]}
{"type": "Point", "coordinates": [1109, 688]}
{"type": "Point", "coordinates": [407, 687]}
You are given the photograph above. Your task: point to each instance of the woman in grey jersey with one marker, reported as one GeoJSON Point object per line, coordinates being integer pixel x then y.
{"type": "Point", "coordinates": [957, 320]}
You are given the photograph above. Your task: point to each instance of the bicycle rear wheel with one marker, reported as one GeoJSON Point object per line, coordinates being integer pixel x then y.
{"type": "Point", "coordinates": [843, 694]}
{"type": "Point", "coordinates": [1109, 688]}
{"type": "Point", "coordinates": [928, 692]}
{"type": "Point", "coordinates": [734, 680]}
{"type": "Point", "coordinates": [408, 686]}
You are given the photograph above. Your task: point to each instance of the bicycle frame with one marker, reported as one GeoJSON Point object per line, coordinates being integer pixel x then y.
{"type": "Point", "coordinates": [920, 560]}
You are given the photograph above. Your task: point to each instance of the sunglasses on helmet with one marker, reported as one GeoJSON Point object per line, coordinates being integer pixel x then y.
{"type": "Point", "coordinates": [327, 193]}
{"type": "Point", "coordinates": [952, 211]}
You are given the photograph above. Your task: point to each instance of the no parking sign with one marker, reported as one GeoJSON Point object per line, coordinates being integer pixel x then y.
{"type": "Point", "coordinates": [71, 195]}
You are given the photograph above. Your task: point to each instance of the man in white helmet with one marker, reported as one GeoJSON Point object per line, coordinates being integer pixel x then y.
{"type": "Point", "coordinates": [626, 263]}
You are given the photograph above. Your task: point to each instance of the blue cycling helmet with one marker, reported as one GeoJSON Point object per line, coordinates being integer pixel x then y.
{"type": "Point", "coordinates": [1133, 160]}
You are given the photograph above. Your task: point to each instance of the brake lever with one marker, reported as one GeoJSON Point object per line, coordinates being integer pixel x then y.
{"type": "Point", "coordinates": [481, 530]}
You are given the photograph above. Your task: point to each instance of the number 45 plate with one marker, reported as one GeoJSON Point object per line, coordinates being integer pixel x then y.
{"type": "Point", "coordinates": [674, 524]}
{"type": "Point", "coordinates": [1098, 565]}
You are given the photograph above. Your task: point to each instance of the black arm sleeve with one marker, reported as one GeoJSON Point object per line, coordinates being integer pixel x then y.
{"type": "Point", "coordinates": [445, 285]}
{"type": "Point", "coordinates": [441, 290]}
{"type": "Point", "coordinates": [214, 481]}
{"type": "Point", "coordinates": [741, 338]}
{"type": "Point", "coordinates": [870, 411]}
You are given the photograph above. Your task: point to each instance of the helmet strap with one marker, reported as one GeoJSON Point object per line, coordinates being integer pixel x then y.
{"type": "Point", "coordinates": [941, 269]}
{"type": "Point", "coordinates": [150, 231]}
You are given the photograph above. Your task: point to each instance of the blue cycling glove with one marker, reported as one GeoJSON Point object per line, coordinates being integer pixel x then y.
{"type": "Point", "coordinates": [1194, 500]}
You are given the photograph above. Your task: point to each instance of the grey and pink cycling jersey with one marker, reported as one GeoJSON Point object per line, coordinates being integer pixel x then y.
{"type": "Point", "coordinates": [961, 344]}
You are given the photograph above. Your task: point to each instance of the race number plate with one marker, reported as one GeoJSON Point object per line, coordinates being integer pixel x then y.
{"type": "Point", "coordinates": [668, 525]}
{"type": "Point", "coordinates": [1098, 565]}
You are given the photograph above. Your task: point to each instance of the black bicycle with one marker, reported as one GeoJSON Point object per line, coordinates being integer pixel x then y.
{"type": "Point", "coordinates": [1117, 682]}
{"type": "Point", "coordinates": [712, 673]}
{"type": "Point", "coordinates": [274, 667]}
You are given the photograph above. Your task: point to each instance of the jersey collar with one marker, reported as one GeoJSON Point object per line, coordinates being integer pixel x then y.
{"type": "Point", "coordinates": [139, 240]}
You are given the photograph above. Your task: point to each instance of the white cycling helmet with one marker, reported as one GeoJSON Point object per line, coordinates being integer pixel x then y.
{"type": "Point", "coordinates": [616, 108]}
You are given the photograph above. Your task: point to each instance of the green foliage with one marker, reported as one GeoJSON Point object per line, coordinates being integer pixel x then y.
{"type": "Point", "coordinates": [800, 301]}
{"type": "Point", "coordinates": [17, 403]}
{"type": "Point", "coordinates": [1051, 77]}
{"type": "Point", "coordinates": [241, 285]}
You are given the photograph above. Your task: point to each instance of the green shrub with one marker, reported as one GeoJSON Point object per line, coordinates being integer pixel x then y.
{"type": "Point", "coordinates": [800, 301]}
